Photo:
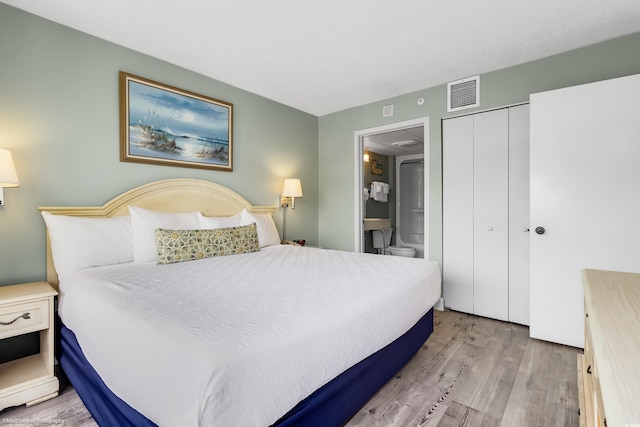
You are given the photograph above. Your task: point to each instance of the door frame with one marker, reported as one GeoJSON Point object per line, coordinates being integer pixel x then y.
{"type": "Point", "coordinates": [358, 144]}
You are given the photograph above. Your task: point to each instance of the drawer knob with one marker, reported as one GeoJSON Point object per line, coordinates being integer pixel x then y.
{"type": "Point", "coordinates": [24, 316]}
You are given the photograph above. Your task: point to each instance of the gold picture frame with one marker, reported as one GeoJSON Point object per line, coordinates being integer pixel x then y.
{"type": "Point", "coordinates": [376, 167]}
{"type": "Point", "coordinates": [164, 125]}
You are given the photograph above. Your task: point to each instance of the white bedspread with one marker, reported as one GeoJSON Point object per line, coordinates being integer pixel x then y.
{"type": "Point", "coordinates": [240, 340]}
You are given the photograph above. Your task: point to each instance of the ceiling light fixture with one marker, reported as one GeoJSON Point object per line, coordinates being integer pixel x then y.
{"type": "Point", "coordinates": [407, 143]}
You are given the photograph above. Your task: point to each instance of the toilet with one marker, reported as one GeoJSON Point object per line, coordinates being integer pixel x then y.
{"type": "Point", "coordinates": [382, 240]}
{"type": "Point", "coordinates": [402, 251]}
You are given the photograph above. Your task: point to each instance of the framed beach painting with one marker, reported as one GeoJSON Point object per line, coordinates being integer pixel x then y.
{"type": "Point", "coordinates": [164, 125]}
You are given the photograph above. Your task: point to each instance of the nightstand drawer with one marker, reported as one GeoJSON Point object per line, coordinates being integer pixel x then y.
{"type": "Point", "coordinates": [17, 319]}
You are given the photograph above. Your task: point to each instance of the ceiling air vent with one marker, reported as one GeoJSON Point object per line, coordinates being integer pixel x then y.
{"type": "Point", "coordinates": [463, 94]}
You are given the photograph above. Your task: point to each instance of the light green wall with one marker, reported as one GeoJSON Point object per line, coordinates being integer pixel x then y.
{"type": "Point", "coordinates": [606, 60]}
{"type": "Point", "coordinates": [59, 118]}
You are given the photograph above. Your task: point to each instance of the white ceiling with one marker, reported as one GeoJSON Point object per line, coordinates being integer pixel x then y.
{"type": "Point", "coordinates": [324, 56]}
{"type": "Point", "coordinates": [396, 143]}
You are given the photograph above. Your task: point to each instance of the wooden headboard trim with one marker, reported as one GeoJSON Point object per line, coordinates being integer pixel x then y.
{"type": "Point", "coordinates": [172, 195]}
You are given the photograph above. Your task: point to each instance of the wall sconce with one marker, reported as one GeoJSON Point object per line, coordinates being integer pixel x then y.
{"type": "Point", "coordinates": [292, 188]}
{"type": "Point", "coordinates": [365, 157]}
{"type": "Point", "coordinates": [8, 176]}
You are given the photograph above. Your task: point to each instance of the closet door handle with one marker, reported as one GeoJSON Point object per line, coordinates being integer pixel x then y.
{"type": "Point", "coordinates": [540, 230]}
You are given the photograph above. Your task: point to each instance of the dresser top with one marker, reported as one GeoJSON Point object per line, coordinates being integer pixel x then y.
{"type": "Point", "coordinates": [612, 302]}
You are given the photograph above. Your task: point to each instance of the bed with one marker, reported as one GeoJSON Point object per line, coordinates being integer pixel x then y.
{"type": "Point", "coordinates": [252, 333]}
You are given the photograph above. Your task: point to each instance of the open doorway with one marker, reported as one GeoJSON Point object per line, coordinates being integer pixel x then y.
{"type": "Point", "coordinates": [397, 156]}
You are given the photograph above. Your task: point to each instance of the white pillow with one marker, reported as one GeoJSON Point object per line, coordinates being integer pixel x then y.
{"type": "Point", "coordinates": [144, 223]}
{"type": "Point", "coordinates": [79, 242]}
{"type": "Point", "coordinates": [209, 222]}
{"type": "Point", "coordinates": [267, 232]}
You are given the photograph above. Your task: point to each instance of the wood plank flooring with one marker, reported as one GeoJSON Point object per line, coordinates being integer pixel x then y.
{"type": "Point", "coordinates": [472, 371]}
{"type": "Point", "coordinates": [475, 371]}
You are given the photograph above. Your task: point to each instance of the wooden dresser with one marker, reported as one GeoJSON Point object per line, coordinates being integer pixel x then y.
{"type": "Point", "coordinates": [609, 370]}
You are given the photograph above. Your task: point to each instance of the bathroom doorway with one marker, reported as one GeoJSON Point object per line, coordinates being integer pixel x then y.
{"type": "Point", "coordinates": [377, 151]}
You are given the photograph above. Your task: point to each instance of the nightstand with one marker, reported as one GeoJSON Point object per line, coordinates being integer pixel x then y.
{"type": "Point", "coordinates": [24, 309]}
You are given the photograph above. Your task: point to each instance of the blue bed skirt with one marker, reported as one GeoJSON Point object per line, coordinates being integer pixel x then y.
{"type": "Point", "coordinates": [331, 405]}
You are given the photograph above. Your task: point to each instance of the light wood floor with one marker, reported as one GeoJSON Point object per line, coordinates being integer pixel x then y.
{"type": "Point", "coordinates": [472, 371]}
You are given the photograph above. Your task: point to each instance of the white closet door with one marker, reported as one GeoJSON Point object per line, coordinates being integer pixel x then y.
{"type": "Point", "coordinates": [519, 214]}
{"type": "Point", "coordinates": [585, 180]}
{"type": "Point", "coordinates": [491, 214]}
{"type": "Point", "coordinates": [457, 215]}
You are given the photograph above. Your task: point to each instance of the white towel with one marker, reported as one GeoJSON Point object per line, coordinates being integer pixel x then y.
{"type": "Point", "coordinates": [374, 190]}
{"type": "Point", "coordinates": [379, 191]}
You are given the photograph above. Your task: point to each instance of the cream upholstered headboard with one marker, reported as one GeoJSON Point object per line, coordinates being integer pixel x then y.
{"type": "Point", "coordinates": [172, 195]}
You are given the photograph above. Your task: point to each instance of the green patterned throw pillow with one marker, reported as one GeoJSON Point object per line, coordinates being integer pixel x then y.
{"type": "Point", "coordinates": [188, 245]}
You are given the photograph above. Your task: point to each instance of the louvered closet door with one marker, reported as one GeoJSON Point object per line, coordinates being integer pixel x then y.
{"type": "Point", "coordinates": [491, 214]}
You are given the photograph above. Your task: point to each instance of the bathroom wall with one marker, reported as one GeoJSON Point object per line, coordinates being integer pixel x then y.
{"type": "Point", "coordinates": [374, 208]}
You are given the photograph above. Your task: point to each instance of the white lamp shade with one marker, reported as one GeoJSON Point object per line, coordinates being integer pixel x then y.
{"type": "Point", "coordinates": [8, 176]}
{"type": "Point", "coordinates": [292, 188]}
